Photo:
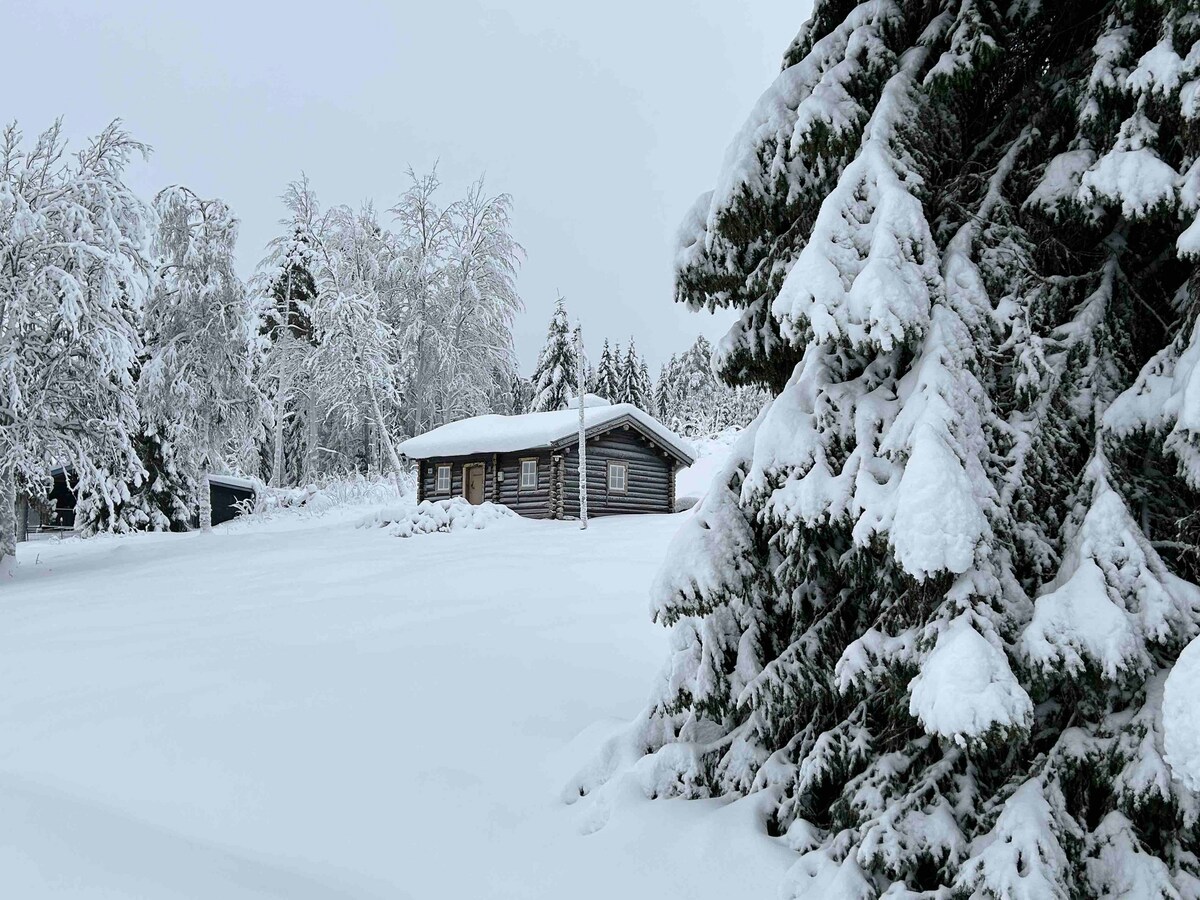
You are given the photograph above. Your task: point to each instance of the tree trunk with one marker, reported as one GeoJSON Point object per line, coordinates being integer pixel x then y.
{"type": "Point", "coordinates": [277, 462]}
{"type": "Point", "coordinates": [205, 503]}
{"type": "Point", "coordinates": [310, 438]}
{"type": "Point", "coordinates": [393, 457]}
{"type": "Point", "coordinates": [8, 524]}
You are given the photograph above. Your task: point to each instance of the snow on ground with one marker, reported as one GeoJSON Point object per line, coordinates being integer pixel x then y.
{"type": "Point", "coordinates": [302, 708]}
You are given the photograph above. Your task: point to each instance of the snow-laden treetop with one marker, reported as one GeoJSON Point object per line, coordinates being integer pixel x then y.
{"type": "Point", "coordinates": [506, 434]}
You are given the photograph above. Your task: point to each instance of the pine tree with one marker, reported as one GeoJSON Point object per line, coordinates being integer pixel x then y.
{"type": "Point", "coordinates": [607, 381]}
{"type": "Point", "coordinates": [929, 605]}
{"type": "Point", "coordinates": [555, 376]}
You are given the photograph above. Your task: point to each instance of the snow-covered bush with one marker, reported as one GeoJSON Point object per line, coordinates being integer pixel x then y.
{"type": "Point", "coordinates": [928, 606]}
{"type": "Point", "coordinates": [429, 516]}
{"type": "Point", "coordinates": [328, 494]}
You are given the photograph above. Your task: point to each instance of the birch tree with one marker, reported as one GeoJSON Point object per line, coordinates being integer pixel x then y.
{"type": "Point", "coordinates": [286, 293]}
{"type": "Point", "coordinates": [358, 355]}
{"type": "Point", "coordinates": [73, 275]}
{"type": "Point", "coordinates": [197, 380]}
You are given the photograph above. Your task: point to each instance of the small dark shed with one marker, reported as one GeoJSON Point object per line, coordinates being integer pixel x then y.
{"type": "Point", "coordinates": [530, 463]}
{"type": "Point", "coordinates": [49, 512]}
{"type": "Point", "coordinates": [54, 511]}
{"type": "Point", "coordinates": [225, 492]}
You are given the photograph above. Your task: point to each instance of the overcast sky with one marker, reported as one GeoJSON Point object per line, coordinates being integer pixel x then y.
{"type": "Point", "coordinates": [603, 120]}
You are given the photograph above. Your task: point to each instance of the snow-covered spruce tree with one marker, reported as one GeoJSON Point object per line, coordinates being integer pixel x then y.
{"type": "Point", "coordinates": [607, 381]}
{"type": "Point", "coordinates": [928, 607]}
{"type": "Point", "coordinates": [646, 387]}
{"type": "Point", "coordinates": [73, 274]}
{"type": "Point", "coordinates": [694, 401]}
{"type": "Point", "coordinates": [554, 379]}
{"type": "Point", "coordinates": [665, 389]}
{"type": "Point", "coordinates": [196, 387]}
{"type": "Point", "coordinates": [159, 497]}
{"type": "Point", "coordinates": [631, 387]}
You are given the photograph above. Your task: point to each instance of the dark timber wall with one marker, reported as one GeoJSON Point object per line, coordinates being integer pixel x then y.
{"type": "Point", "coordinates": [533, 503]}
{"type": "Point", "coordinates": [651, 475]}
{"type": "Point", "coordinates": [223, 499]}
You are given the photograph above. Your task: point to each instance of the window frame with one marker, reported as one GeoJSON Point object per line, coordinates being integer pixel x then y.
{"type": "Point", "coordinates": [437, 478]}
{"type": "Point", "coordinates": [537, 475]}
{"type": "Point", "coordinates": [613, 466]}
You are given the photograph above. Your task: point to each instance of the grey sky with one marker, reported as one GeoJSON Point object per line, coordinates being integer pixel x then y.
{"type": "Point", "coordinates": [603, 120]}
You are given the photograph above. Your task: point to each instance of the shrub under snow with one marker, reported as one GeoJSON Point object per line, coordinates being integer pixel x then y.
{"type": "Point", "coordinates": [428, 516]}
{"type": "Point", "coordinates": [328, 494]}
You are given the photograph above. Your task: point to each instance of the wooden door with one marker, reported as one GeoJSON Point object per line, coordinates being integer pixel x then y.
{"type": "Point", "coordinates": [473, 482]}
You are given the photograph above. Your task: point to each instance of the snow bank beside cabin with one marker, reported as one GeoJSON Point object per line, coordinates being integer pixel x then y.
{"type": "Point", "coordinates": [692, 483]}
{"type": "Point", "coordinates": [429, 516]}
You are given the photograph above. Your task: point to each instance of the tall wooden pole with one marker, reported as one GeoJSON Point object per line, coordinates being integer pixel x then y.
{"type": "Point", "coordinates": [581, 391]}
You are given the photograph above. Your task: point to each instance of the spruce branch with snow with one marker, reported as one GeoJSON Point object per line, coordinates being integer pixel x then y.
{"type": "Point", "coordinates": [554, 378]}
{"type": "Point", "coordinates": [930, 605]}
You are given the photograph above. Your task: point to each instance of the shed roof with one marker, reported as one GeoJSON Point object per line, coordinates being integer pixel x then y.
{"type": "Point", "coordinates": [232, 481]}
{"type": "Point", "coordinates": [508, 434]}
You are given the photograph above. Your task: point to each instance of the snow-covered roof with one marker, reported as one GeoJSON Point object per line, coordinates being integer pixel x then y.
{"type": "Point", "coordinates": [233, 481]}
{"type": "Point", "coordinates": [507, 434]}
{"type": "Point", "coordinates": [589, 401]}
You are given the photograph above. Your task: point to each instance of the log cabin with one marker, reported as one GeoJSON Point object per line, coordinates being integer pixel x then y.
{"type": "Point", "coordinates": [530, 463]}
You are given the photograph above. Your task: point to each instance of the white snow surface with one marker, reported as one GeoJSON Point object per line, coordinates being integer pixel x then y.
{"type": "Point", "coordinates": [590, 401]}
{"type": "Point", "coordinates": [506, 434]}
{"type": "Point", "coordinates": [299, 708]}
{"type": "Point", "coordinates": [1181, 717]}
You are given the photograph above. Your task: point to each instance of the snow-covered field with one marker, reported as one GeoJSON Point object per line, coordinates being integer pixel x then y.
{"type": "Point", "coordinates": [302, 708]}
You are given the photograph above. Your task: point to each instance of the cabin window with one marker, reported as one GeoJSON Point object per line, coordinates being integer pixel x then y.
{"type": "Point", "coordinates": [443, 480]}
{"type": "Point", "coordinates": [618, 477]}
{"type": "Point", "coordinates": [529, 474]}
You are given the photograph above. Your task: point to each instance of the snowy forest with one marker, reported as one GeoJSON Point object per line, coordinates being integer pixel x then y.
{"type": "Point", "coordinates": [132, 353]}
{"type": "Point", "coordinates": [929, 608]}
{"type": "Point", "coordinates": [927, 626]}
